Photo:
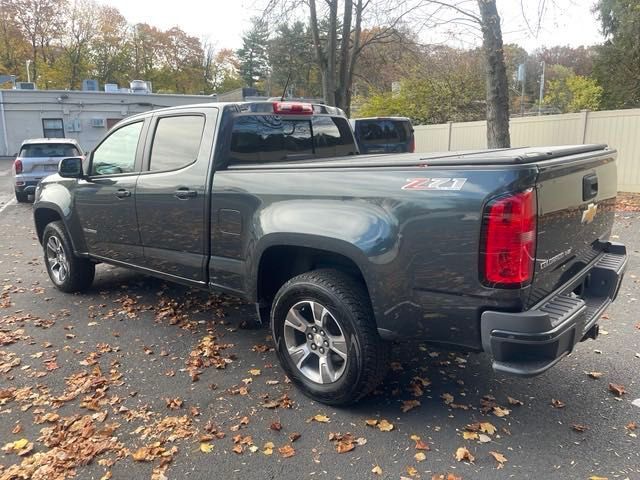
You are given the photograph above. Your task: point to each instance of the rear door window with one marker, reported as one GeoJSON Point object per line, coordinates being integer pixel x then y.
{"type": "Point", "coordinates": [176, 142]}
{"type": "Point", "coordinates": [43, 150]}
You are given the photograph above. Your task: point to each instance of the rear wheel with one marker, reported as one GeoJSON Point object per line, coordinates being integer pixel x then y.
{"type": "Point", "coordinates": [67, 272]}
{"type": "Point", "coordinates": [326, 338]}
{"type": "Point", "coordinates": [21, 197]}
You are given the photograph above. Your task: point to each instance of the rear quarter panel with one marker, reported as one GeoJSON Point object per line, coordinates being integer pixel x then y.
{"type": "Point", "coordinates": [417, 249]}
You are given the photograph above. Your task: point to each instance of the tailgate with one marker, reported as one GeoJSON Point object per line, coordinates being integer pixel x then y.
{"type": "Point", "coordinates": [40, 165]}
{"type": "Point", "coordinates": [576, 208]}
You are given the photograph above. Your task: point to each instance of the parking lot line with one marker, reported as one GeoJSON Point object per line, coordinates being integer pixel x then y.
{"type": "Point", "coordinates": [10, 202]}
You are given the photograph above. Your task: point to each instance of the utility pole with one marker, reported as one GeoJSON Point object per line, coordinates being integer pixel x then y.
{"type": "Point", "coordinates": [522, 76]}
{"type": "Point", "coordinates": [28, 71]}
{"type": "Point", "coordinates": [541, 89]}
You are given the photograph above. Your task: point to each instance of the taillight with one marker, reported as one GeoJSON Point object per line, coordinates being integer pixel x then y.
{"type": "Point", "coordinates": [17, 164]}
{"type": "Point", "coordinates": [412, 145]}
{"type": "Point", "coordinates": [292, 108]}
{"type": "Point", "coordinates": [508, 245]}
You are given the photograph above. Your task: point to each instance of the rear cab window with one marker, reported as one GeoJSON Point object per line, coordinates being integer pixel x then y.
{"type": "Point", "coordinates": [44, 150]}
{"type": "Point", "coordinates": [275, 138]}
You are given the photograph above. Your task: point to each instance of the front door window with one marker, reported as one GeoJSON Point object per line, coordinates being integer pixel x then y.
{"type": "Point", "coordinates": [117, 154]}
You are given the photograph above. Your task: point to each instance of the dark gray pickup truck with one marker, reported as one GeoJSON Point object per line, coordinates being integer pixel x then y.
{"type": "Point", "coordinates": [502, 251]}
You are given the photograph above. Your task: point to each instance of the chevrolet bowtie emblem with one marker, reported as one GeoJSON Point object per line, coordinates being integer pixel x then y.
{"type": "Point", "coordinates": [590, 213]}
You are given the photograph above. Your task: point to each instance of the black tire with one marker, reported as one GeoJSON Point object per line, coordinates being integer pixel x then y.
{"type": "Point", "coordinates": [347, 301]}
{"type": "Point", "coordinates": [81, 271]}
{"type": "Point", "coordinates": [21, 197]}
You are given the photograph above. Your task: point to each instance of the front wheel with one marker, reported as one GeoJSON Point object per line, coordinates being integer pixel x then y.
{"type": "Point", "coordinates": [326, 337]}
{"type": "Point", "coordinates": [67, 272]}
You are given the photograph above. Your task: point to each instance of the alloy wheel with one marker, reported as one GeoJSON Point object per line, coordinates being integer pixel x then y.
{"type": "Point", "coordinates": [57, 259]}
{"type": "Point", "coordinates": [315, 342]}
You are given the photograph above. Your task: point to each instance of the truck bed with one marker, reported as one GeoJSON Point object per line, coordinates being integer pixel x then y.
{"type": "Point", "coordinates": [506, 156]}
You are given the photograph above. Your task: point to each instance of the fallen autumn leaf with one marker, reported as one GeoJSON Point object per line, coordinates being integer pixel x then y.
{"type": "Point", "coordinates": [500, 458]}
{"type": "Point", "coordinates": [463, 454]}
{"type": "Point", "coordinates": [385, 426]}
{"type": "Point", "coordinates": [617, 389]}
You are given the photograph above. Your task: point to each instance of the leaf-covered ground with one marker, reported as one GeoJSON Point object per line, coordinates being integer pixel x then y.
{"type": "Point", "coordinates": [628, 202]}
{"type": "Point", "coordinates": [142, 379]}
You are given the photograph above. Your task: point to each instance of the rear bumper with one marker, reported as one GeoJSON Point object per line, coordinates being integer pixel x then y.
{"type": "Point", "coordinates": [26, 186]}
{"type": "Point", "coordinates": [529, 343]}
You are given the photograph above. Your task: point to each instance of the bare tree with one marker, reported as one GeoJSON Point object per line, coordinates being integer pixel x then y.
{"type": "Point", "coordinates": [337, 33]}
{"type": "Point", "coordinates": [480, 17]}
{"type": "Point", "coordinates": [339, 41]}
{"type": "Point", "coordinates": [208, 55]}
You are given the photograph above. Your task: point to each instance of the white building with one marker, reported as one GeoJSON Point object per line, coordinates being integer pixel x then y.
{"type": "Point", "coordinates": [83, 115]}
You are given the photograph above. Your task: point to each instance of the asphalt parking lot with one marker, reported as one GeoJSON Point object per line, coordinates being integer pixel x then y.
{"type": "Point", "coordinates": [142, 379]}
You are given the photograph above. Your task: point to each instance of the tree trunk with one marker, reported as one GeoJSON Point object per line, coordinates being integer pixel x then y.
{"type": "Point", "coordinates": [497, 87]}
{"type": "Point", "coordinates": [355, 52]}
{"type": "Point", "coordinates": [320, 57]}
{"type": "Point", "coordinates": [331, 52]}
{"type": "Point", "coordinates": [343, 74]}
{"type": "Point", "coordinates": [34, 53]}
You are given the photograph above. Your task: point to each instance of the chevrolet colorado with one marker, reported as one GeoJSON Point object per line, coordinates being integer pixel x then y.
{"type": "Point", "coordinates": [503, 251]}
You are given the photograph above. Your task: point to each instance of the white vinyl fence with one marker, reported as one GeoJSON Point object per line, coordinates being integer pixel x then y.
{"type": "Point", "coordinates": [619, 129]}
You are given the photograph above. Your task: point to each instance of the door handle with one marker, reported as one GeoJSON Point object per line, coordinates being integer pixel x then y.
{"type": "Point", "coordinates": [122, 193]}
{"type": "Point", "coordinates": [185, 193]}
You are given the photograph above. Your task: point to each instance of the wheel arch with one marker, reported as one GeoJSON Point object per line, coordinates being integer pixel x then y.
{"type": "Point", "coordinates": [42, 217]}
{"type": "Point", "coordinates": [44, 214]}
{"type": "Point", "coordinates": [279, 261]}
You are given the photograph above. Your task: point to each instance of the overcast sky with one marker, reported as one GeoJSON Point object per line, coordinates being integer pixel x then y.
{"type": "Point", "coordinates": [566, 22]}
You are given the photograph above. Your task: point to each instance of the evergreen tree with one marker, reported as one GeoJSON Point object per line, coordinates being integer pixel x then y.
{"type": "Point", "coordinates": [291, 53]}
{"type": "Point", "coordinates": [254, 61]}
{"type": "Point", "coordinates": [617, 65]}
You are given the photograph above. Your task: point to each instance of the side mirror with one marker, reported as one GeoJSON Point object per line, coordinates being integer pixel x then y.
{"type": "Point", "coordinates": [70, 167]}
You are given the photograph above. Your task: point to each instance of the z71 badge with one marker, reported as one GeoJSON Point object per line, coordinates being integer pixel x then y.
{"type": "Point", "coordinates": [434, 184]}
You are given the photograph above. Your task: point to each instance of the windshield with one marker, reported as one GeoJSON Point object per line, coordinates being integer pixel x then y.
{"type": "Point", "coordinates": [40, 150]}
{"type": "Point", "coordinates": [382, 131]}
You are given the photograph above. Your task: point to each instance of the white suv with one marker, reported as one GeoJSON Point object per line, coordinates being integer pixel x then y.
{"type": "Point", "coordinates": [38, 158]}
